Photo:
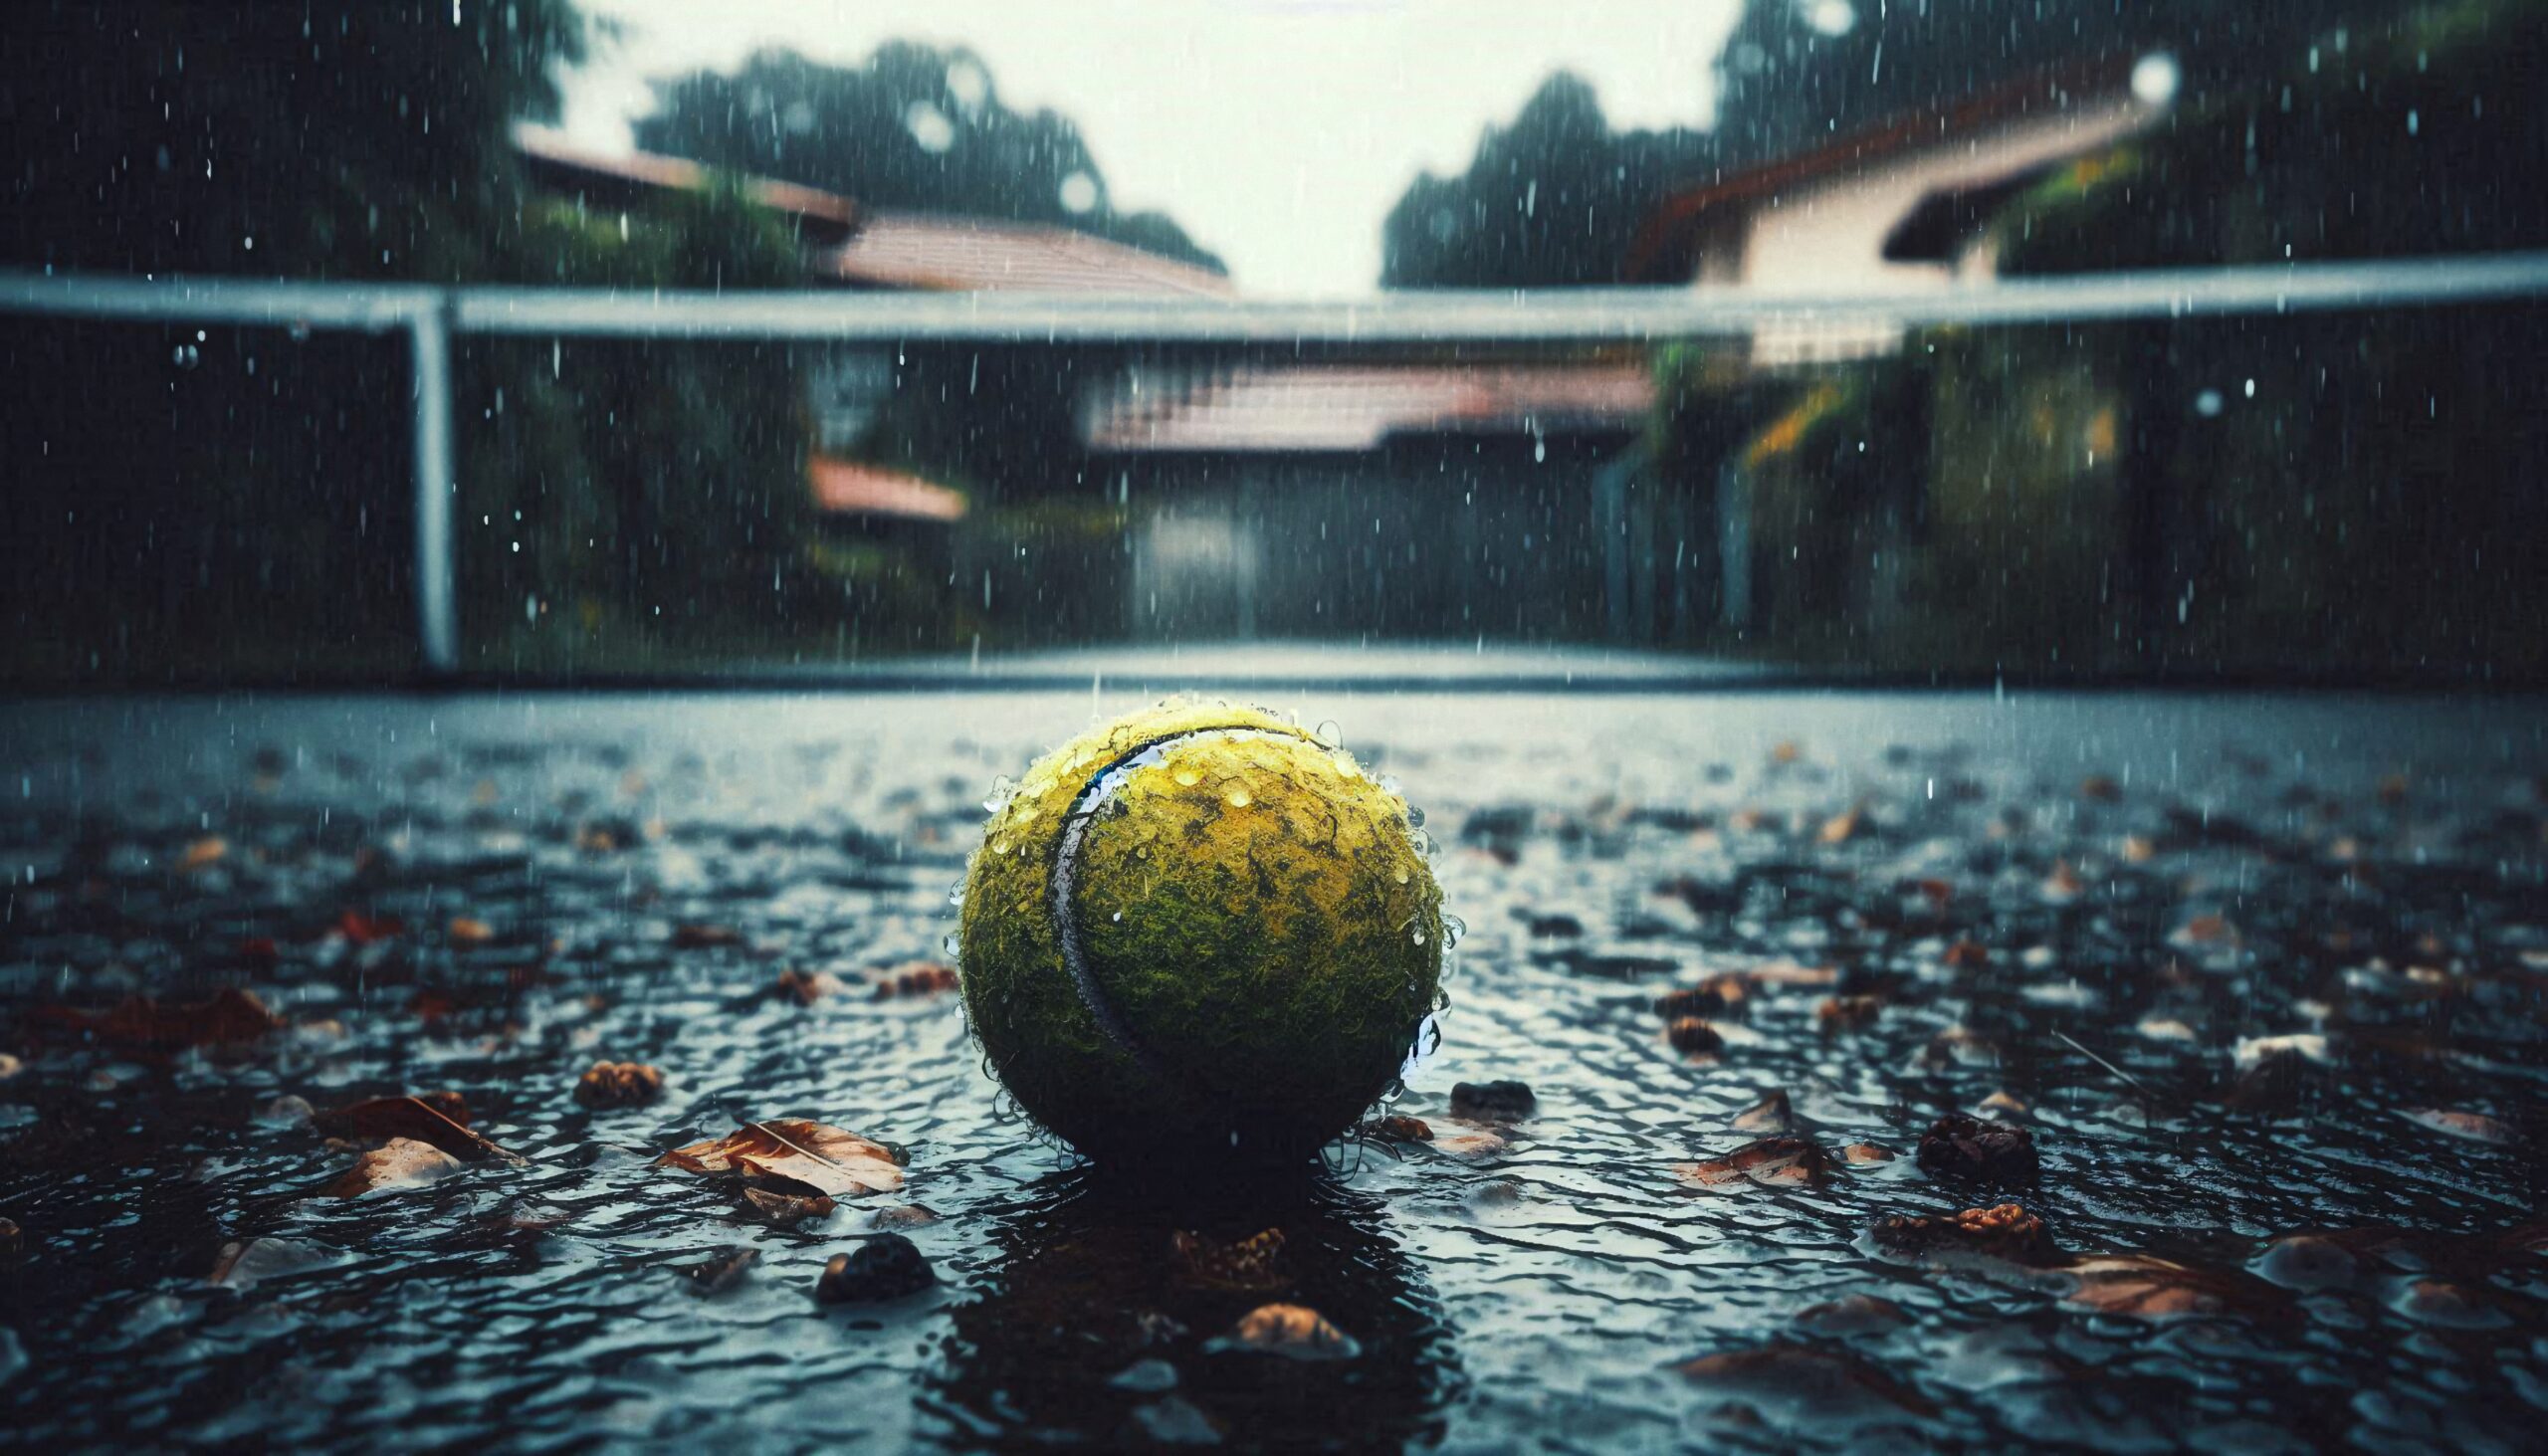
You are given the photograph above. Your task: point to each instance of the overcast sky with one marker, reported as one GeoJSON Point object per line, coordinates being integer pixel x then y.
{"type": "Point", "coordinates": [1278, 132]}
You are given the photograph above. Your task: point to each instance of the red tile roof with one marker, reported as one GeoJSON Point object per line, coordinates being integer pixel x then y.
{"type": "Point", "coordinates": [849, 487]}
{"type": "Point", "coordinates": [885, 249]}
{"type": "Point", "coordinates": [944, 253]}
{"type": "Point", "coordinates": [554, 160]}
{"type": "Point", "coordinates": [1356, 407]}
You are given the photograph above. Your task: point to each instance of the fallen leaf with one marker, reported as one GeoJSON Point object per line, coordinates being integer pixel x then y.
{"type": "Point", "coordinates": [786, 1210]}
{"type": "Point", "coordinates": [919, 978]}
{"type": "Point", "coordinates": [399, 1164]}
{"type": "Point", "coordinates": [1833, 1014]}
{"type": "Point", "coordinates": [1294, 1331]}
{"type": "Point", "coordinates": [1790, 973]}
{"type": "Point", "coordinates": [241, 1263]}
{"type": "Point", "coordinates": [2004, 1231]}
{"type": "Point", "coordinates": [807, 989]}
{"type": "Point", "coordinates": [1771, 1114]}
{"type": "Point", "coordinates": [1866, 1152]}
{"type": "Point", "coordinates": [1809, 1381]}
{"type": "Point", "coordinates": [10, 1066]}
{"type": "Point", "coordinates": [466, 932]}
{"type": "Point", "coordinates": [2475, 1126]}
{"type": "Point", "coordinates": [203, 854]}
{"type": "Point", "coordinates": [720, 1272]}
{"type": "Point", "coordinates": [1843, 827]}
{"type": "Point", "coordinates": [829, 1159]}
{"type": "Point", "coordinates": [366, 929]}
{"type": "Point", "coordinates": [1966, 955]}
{"type": "Point", "coordinates": [2100, 789]}
{"type": "Point", "coordinates": [231, 1017]}
{"type": "Point", "coordinates": [2148, 1287]}
{"type": "Point", "coordinates": [1718, 995]}
{"type": "Point", "coordinates": [1771, 1162]}
{"type": "Point", "coordinates": [437, 1120]}
{"type": "Point", "coordinates": [1484, 1143]}
{"type": "Point", "coordinates": [619, 1084]}
{"type": "Point", "coordinates": [1692, 1037]}
{"type": "Point", "coordinates": [705, 937]}
{"type": "Point", "coordinates": [1251, 1264]}
{"type": "Point", "coordinates": [2138, 851]}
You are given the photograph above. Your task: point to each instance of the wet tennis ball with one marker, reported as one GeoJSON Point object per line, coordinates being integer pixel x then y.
{"type": "Point", "coordinates": [1199, 931]}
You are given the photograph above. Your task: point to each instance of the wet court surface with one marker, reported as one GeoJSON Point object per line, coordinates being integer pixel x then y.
{"type": "Point", "coordinates": [2258, 978]}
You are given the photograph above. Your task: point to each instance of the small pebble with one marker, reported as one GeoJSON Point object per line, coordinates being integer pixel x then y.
{"type": "Point", "coordinates": [886, 1267]}
{"type": "Point", "coordinates": [1968, 1150]}
{"type": "Point", "coordinates": [1493, 1102]}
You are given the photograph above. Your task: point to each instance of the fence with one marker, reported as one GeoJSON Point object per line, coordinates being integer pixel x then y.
{"type": "Point", "coordinates": [431, 314]}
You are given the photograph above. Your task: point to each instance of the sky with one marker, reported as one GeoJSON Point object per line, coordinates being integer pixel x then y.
{"type": "Point", "coordinates": [1277, 132]}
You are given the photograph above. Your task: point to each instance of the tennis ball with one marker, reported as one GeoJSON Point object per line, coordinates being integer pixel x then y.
{"type": "Point", "coordinates": [1198, 931]}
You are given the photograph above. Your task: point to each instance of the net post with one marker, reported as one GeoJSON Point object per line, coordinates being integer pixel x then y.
{"type": "Point", "coordinates": [436, 619]}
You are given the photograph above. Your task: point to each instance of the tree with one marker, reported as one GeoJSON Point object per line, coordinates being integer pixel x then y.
{"type": "Point", "coordinates": [185, 503]}
{"type": "Point", "coordinates": [913, 127]}
{"type": "Point", "coordinates": [1549, 201]}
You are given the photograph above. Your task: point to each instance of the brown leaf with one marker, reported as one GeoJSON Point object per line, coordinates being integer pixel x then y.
{"type": "Point", "coordinates": [2148, 1287]}
{"type": "Point", "coordinates": [1843, 827]}
{"type": "Point", "coordinates": [720, 1272]}
{"type": "Point", "coordinates": [832, 1161]}
{"type": "Point", "coordinates": [2475, 1127]}
{"type": "Point", "coordinates": [466, 932]}
{"type": "Point", "coordinates": [1250, 1264]}
{"type": "Point", "coordinates": [919, 978]}
{"type": "Point", "coordinates": [396, 1166]}
{"type": "Point", "coordinates": [203, 854]}
{"type": "Point", "coordinates": [1833, 1014]}
{"type": "Point", "coordinates": [619, 1084]}
{"type": "Point", "coordinates": [1771, 1162]}
{"type": "Point", "coordinates": [1718, 995]}
{"type": "Point", "coordinates": [785, 1210]}
{"type": "Point", "coordinates": [2101, 788]}
{"type": "Point", "coordinates": [1398, 1127]}
{"type": "Point", "coordinates": [1295, 1332]}
{"type": "Point", "coordinates": [1692, 1037]}
{"type": "Point", "coordinates": [437, 1120]}
{"type": "Point", "coordinates": [229, 1019]}
{"type": "Point", "coordinates": [1770, 1115]}
{"type": "Point", "coordinates": [807, 989]}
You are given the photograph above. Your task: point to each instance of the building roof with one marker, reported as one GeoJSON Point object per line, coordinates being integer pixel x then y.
{"type": "Point", "coordinates": [850, 488]}
{"type": "Point", "coordinates": [1360, 407]}
{"type": "Point", "coordinates": [1663, 250]}
{"type": "Point", "coordinates": [882, 247]}
{"type": "Point", "coordinates": [944, 253]}
{"type": "Point", "coordinates": [557, 163]}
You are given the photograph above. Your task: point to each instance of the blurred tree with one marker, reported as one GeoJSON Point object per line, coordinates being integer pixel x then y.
{"type": "Point", "coordinates": [913, 127]}
{"type": "Point", "coordinates": [1550, 201]}
{"type": "Point", "coordinates": [184, 503]}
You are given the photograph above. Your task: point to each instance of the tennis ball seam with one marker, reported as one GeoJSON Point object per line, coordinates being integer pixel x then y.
{"type": "Point", "coordinates": [1092, 799]}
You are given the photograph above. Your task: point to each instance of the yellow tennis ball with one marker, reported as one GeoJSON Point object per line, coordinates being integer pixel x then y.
{"type": "Point", "coordinates": [1199, 931]}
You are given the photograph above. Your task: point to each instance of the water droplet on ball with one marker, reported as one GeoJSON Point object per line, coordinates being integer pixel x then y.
{"type": "Point", "coordinates": [1239, 799]}
{"type": "Point", "coordinates": [1188, 778]}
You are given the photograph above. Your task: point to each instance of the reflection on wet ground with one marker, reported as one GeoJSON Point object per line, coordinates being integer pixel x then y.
{"type": "Point", "coordinates": [2243, 997]}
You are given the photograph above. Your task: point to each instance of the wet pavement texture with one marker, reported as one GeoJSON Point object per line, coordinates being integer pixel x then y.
{"type": "Point", "coordinates": [2243, 993]}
